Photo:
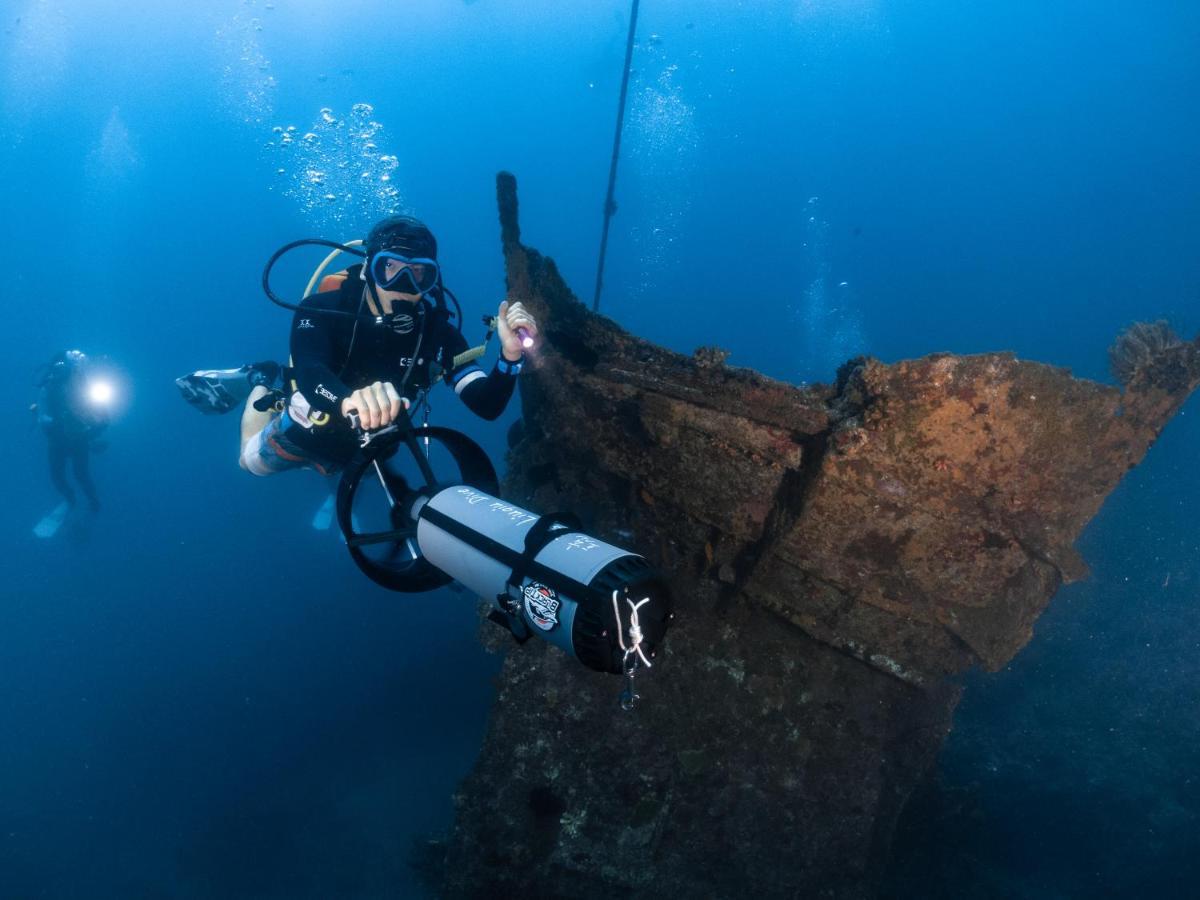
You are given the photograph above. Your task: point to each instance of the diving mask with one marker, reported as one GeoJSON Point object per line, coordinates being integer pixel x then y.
{"type": "Point", "coordinates": [393, 271]}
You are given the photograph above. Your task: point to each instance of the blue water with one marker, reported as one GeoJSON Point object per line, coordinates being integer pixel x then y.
{"type": "Point", "coordinates": [201, 697]}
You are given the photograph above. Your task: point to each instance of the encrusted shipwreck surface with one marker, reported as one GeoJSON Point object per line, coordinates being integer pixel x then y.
{"type": "Point", "coordinates": [836, 553]}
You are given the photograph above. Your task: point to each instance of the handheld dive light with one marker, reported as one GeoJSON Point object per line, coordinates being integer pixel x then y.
{"type": "Point", "coordinates": [100, 393]}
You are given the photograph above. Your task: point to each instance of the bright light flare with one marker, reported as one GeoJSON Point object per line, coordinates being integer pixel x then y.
{"type": "Point", "coordinates": [100, 392]}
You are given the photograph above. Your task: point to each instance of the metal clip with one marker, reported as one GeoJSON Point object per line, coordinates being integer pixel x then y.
{"type": "Point", "coordinates": [633, 653]}
{"type": "Point", "coordinates": [629, 697]}
{"type": "Point", "coordinates": [365, 437]}
{"type": "Point", "coordinates": [425, 424]}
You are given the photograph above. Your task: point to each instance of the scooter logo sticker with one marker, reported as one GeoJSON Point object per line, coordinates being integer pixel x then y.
{"type": "Point", "coordinates": [541, 606]}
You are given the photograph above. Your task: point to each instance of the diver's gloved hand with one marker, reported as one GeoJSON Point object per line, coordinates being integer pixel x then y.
{"type": "Point", "coordinates": [510, 321]}
{"type": "Point", "coordinates": [376, 405]}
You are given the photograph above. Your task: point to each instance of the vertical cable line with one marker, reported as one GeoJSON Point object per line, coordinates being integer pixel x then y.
{"type": "Point", "coordinates": [610, 206]}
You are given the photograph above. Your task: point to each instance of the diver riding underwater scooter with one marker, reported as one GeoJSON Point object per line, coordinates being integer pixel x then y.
{"type": "Point", "coordinates": [415, 519]}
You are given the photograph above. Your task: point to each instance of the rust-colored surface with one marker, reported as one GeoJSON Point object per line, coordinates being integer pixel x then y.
{"type": "Point", "coordinates": [837, 553]}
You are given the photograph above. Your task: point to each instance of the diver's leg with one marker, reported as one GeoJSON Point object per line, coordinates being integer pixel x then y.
{"type": "Point", "coordinates": [253, 421]}
{"type": "Point", "coordinates": [58, 470]}
{"type": "Point", "coordinates": [266, 373]}
{"type": "Point", "coordinates": [83, 476]}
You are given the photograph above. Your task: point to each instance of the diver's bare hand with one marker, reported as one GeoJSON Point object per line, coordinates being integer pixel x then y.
{"type": "Point", "coordinates": [377, 405]}
{"type": "Point", "coordinates": [511, 317]}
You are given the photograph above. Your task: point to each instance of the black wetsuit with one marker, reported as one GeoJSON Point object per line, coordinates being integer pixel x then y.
{"type": "Point", "coordinates": [70, 433]}
{"type": "Point", "coordinates": [332, 356]}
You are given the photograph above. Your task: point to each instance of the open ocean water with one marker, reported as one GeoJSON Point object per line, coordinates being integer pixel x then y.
{"type": "Point", "coordinates": [200, 696]}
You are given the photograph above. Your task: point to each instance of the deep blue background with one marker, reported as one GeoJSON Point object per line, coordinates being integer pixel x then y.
{"type": "Point", "coordinates": [200, 696]}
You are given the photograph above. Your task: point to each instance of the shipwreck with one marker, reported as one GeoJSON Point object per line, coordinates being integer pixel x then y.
{"type": "Point", "coordinates": [838, 553]}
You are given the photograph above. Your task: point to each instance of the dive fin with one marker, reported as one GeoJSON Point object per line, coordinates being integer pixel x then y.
{"type": "Point", "coordinates": [216, 391]}
{"type": "Point", "coordinates": [49, 524]}
{"type": "Point", "coordinates": [324, 516]}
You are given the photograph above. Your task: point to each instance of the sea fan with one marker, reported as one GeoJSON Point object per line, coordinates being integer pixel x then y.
{"type": "Point", "coordinates": [1138, 346]}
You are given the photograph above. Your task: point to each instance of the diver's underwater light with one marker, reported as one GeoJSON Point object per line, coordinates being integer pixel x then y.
{"type": "Point", "coordinates": [100, 393]}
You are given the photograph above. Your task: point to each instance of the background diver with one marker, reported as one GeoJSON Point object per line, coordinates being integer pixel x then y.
{"type": "Point", "coordinates": [71, 411]}
{"type": "Point", "coordinates": [390, 344]}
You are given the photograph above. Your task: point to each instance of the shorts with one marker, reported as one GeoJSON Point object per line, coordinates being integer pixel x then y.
{"type": "Point", "coordinates": [271, 451]}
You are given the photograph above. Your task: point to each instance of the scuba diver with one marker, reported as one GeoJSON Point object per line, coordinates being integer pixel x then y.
{"type": "Point", "coordinates": [71, 412]}
{"type": "Point", "coordinates": [366, 348]}
{"type": "Point", "coordinates": [363, 349]}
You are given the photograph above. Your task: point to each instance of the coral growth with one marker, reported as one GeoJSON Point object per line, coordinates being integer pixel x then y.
{"type": "Point", "coordinates": [1138, 346]}
{"type": "Point", "coordinates": [710, 357]}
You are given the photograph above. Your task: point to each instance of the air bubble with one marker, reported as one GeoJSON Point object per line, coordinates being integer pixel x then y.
{"type": "Point", "coordinates": [334, 157]}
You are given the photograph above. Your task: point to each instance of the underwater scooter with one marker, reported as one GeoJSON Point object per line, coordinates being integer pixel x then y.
{"type": "Point", "coordinates": [543, 575]}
